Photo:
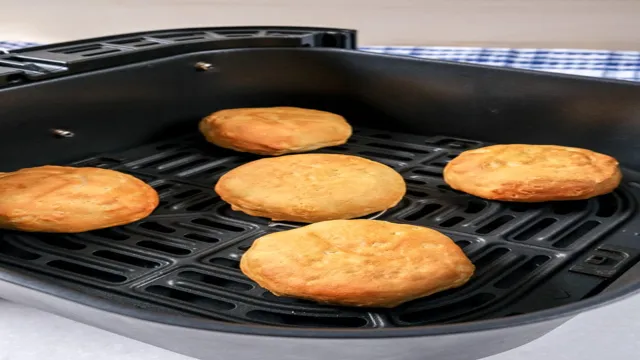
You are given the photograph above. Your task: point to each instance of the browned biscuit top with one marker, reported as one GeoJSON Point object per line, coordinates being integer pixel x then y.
{"type": "Point", "coordinates": [311, 187]}
{"type": "Point", "coordinates": [357, 263]}
{"type": "Point", "coordinates": [69, 199]}
{"type": "Point", "coordinates": [533, 173]}
{"type": "Point", "coordinates": [275, 130]}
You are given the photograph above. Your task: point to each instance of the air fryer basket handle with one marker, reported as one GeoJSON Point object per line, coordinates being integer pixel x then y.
{"type": "Point", "coordinates": [44, 62]}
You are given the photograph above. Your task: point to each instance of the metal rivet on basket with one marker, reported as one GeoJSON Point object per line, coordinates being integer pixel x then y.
{"type": "Point", "coordinates": [62, 133]}
{"type": "Point", "coordinates": [203, 66]}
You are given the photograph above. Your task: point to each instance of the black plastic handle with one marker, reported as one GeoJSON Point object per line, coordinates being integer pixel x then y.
{"type": "Point", "coordinates": [44, 62]}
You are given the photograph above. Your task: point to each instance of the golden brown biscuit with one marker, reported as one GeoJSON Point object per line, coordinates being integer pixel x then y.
{"type": "Point", "coordinates": [357, 263]}
{"type": "Point", "coordinates": [533, 173]}
{"type": "Point", "coordinates": [275, 130]}
{"type": "Point", "coordinates": [311, 187]}
{"type": "Point", "coordinates": [70, 200]}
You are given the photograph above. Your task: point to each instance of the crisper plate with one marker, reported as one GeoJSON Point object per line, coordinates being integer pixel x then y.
{"type": "Point", "coordinates": [184, 259]}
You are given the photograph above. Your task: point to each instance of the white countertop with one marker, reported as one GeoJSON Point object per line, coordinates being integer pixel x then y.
{"type": "Point", "coordinates": [612, 333]}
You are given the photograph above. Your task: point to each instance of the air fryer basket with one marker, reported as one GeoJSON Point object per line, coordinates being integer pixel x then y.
{"type": "Point", "coordinates": [132, 103]}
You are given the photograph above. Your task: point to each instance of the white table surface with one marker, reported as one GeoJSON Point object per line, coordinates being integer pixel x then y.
{"type": "Point", "coordinates": [611, 333]}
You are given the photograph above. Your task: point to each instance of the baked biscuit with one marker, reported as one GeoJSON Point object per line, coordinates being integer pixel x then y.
{"type": "Point", "coordinates": [357, 263]}
{"type": "Point", "coordinates": [275, 130]}
{"type": "Point", "coordinates": [311, 187]}
{"type": "Point", "coordinates": [70, 200]}
{"type": "Point", "coordinates": [533, 173]}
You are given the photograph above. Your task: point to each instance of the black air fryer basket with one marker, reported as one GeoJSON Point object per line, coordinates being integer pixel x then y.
{"type": "Point", "coordinates": [132, 103]}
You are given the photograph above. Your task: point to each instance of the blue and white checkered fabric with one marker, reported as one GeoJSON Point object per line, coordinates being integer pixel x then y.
{"type": "Point", "coordinates": [10, 45]}
{"type": "Point", "coordinates": [623, 65]}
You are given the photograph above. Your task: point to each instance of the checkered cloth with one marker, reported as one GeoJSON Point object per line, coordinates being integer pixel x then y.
{"type": "Point", "coordinates": [623, 65]}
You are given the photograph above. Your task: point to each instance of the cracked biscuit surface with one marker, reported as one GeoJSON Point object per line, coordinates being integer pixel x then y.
{"type": "Point", "coordinates": [533, 173]}
{"type": "Point", "coordinates": [357, 263]}
{"type": "Point", "coordinates": [69, 200]}
{"type": "Point", "coordinates": [275, 130]}
{"type": "Point", "coordinates": [311, 187]}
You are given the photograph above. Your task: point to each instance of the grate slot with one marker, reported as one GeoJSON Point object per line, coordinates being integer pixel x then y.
{"type": "Point", "coordinates": [567, 207]}
{"type": "Point", "coordinates": [110, 234]}
{"type": "Point", "coordinates": [452, 221]}
{"type": "Point", "coordinates": [491, 257]}
{"type": "Point", "coordinates": [126, 259]}
{"type": "Point", "coordinates": [418, 194]}
{"type": "Point", "coordinates": [495, 224]}
{"type": "Point", "coordinates": [8, 249]}
{"type": "Point", "coordinates": [169, 249]}
{"type": "Point", "coordinates": [157, 160]}
{"type": "Point", "coordinates": [388, 156]}
{"type": "Point", "coordinates": [186, 194]}
{"type": "Point", "coordinates": [607, 205]}
{"type": "Point", "coordinates": [456, 144]}
{"type": "Point", "coordinates": [305, 321]}
{"type": "Point", "coordinates": [182, 165]}
{"type": "Point", "coordinates": [521, 272]}
{"type": "Point", "coordinates": [206, 204]}
{"type": "Point", "coordinates": [423, 211]}
{"type": "Point", "coordinates": [215, 281]}
{"type": "Point", "coordinates": [191, 298]}
{"type": "Point", "coordinates": [448, 188]}
{"type": "Point", "coordinates": [474, 207]}
{"type": "Point", "coordinates": [216, 225]}
{"type": "Point", "coordinates": [227, 263]}
{"type": "Point", "coordinates": [87, 271]}
{"type": "Point", "coordinates": [398, 148]}
{"type": "Point", "coordinates": [154, 226]}
{"type": "Point", "coordinates": [203, 238]}
{"type": "Point", "coordinates": [59, 241]}
{"type": "Point", "coordinates": [576, 234]}
{"type": "Point", "coordinates": [441, 313]}
{"type": "Point", "coordinates": [77, 49]}
{"type": "Point", "coordinates": [535, 229]}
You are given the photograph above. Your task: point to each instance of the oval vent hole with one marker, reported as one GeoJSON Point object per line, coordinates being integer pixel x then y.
{"type": "Point", "coordinates": [87, 271]}
{"type": "Point", "coordinates": [490, 258]}
{"type": "Point", "coordinates": [60, 242]}
{"type": "Point", "coordinates": [440, 313]}
{"type": "Point", "coordinates": [194, 299]}
{"type": "Point", "coordinates": [109, 234]}
{"type": "Point", "coordinates": [126, 259]}
{"type": "Point", "coordinates": [216, 225]}
{"type": "Point", "coordinates": [386, 156]}
{"type": "Point", "coordinates": [215, 281]}
{"type": "Point", "coordinates": [576, 234]}
{"type": "Point", "coordinates": [228, 263]}
{"type": "Point", "coordinates": [522, 272]}
{"type": "Point", "coordinates": [398, 148]}
{"type": "Point", "coordinates": [607, 205]}
{"type": "Point", "coordinates": [306, 321]}
{"type": "Point", "coordinates": [474, 207]}
{"type": "Point", "coordinates": [163, 247]}
{"type": "Point", "coordinates": [8, 249]}
{"type": "Point", "coordinates": [186, 194]}
{"type": "Point", "coordinates": [495, 224]}
{"type": "Point", "coordinates": [154, 226]}
{"type": "Point", "coordinates": [424, 211]}
{"type": "Point", "coordinates": [203, 238]}
{"type": "Point", "coordinates": [569, 207]}
{"type": "Point", "coordinates": [451, 221]}
{"type": "Point", "coordinates": [203, 205]}
{"type": "Point", "coordinates": [534, 229]}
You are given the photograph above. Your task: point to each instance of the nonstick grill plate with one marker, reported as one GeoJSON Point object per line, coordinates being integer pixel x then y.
{"type": "Point", "coordinates": [185, 257]}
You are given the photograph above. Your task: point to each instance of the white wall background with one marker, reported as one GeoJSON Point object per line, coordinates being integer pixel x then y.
{"type": "Point", "coordinates": [604, 24]}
